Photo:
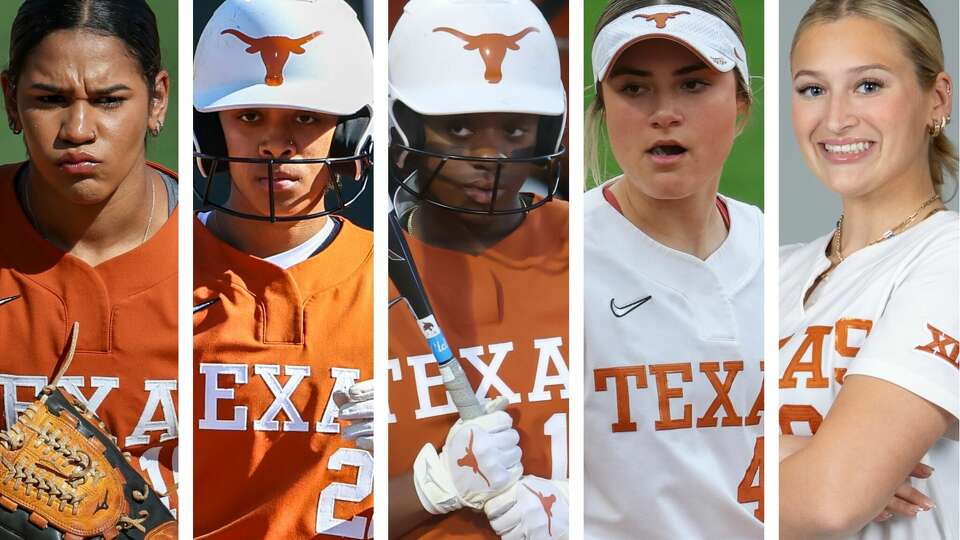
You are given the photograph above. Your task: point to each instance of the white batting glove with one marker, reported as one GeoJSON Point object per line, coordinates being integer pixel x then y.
{"type": "Point", "coordinates": [356, 407]}
{"type": "Point", "coordinates": [480, 459]}
{"type": "Point", "coordinates": [532, 509]}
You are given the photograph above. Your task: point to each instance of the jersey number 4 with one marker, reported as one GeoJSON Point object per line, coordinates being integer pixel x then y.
{"type": "Point", "coordinates": [750, 489]}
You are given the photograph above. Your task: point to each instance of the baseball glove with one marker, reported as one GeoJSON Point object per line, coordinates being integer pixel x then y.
{"type": "Point", "coordinates": [62, 476]}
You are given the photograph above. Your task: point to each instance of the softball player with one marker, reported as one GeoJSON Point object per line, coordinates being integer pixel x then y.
{"type": "Point", "coordinates": [283, 317]}
{"type": "Point", "coordinates": [467, 147]}
{"type": "Point", "coordinates": [90, 226]}
{"type": "Point", "coordinates": [869, 315]}
{"type": "Point", "coordinates": [673, 284]}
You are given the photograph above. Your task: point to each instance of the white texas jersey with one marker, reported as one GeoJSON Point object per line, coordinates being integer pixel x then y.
{"type": "Point", "coordinates": [890, 311]}
{"type": "Point", "coordinates": [674, 381]}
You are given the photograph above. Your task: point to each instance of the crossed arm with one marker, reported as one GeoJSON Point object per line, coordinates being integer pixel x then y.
{"type": "Point", "coordinates": [846, 474]}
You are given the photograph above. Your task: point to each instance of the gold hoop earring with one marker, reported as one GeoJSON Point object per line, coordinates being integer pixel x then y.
{"type": "Point", "coordinates": [937, 128]}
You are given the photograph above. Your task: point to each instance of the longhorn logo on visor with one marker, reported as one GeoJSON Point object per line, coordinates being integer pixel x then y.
{"type": "Point", "coordinates": [274, 51]}
{"type": "Point", "coordinates": [661, 18]}
{"type": "Point", "coordinates": [492, 48]}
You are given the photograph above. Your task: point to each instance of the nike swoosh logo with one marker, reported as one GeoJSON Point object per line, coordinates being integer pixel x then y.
{"type": "Point", "coordinates": [8, 299]}
{"type": "Point", "coordinates": [205, 305]}
{"type": "Point", "coordinates": [623, 311]}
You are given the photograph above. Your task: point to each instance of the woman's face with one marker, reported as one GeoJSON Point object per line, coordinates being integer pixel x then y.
{"type": "Point", "coordinates": [671, 119]}
{"type": "Point", "coordinates": [859, 114]}
{"type": "Point", "coordinates": [278, 134]}
{"type": "Point", "coordinates": [84, 108]}
{"type": "Point", "coordinates": [470, 184]}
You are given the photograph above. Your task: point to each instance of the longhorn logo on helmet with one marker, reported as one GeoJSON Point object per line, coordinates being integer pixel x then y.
{"type": "Point", "coordinates": [492, 48]}
{"type": "Point", "coordinates": [274, 51]}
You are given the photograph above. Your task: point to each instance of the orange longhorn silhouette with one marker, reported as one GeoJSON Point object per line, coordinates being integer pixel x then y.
{"type": "Point", "coordinates": [661, 18]}
{"type": "Point", "coordinates": [492, 48]}
{"type": "Point", "coordinates": [469, 460]}
{"type": "Point", "coordinates": [274, 51]}
{"type": "Point", "coordinates": [547, 503]}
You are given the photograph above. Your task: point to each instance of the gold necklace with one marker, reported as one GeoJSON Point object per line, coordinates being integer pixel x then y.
{"type": "Point", "coordinates": [897, 229]}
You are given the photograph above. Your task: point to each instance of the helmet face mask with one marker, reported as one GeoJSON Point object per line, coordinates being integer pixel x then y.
{"type": "Point", "coordinates": [344, 173]}
{"type": "Point", "coordinates": [454, 180]}
{"type": "Point", "coordinates": [339, 171]}
{"type": "Point", "coordinates": [288, 55]}
{"type": "Point", "coordinates": [498, 59]}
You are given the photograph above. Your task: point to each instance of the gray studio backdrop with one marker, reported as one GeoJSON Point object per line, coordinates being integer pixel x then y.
{"type": "Point", "coordinates": [807, 209]}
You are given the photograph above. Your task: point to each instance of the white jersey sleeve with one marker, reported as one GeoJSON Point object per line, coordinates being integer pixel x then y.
{"type": "Point", "coordinates": [913, 344]}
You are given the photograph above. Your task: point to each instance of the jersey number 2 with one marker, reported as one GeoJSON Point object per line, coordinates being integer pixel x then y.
{"type": "Point", "coordinates": [356, 527]}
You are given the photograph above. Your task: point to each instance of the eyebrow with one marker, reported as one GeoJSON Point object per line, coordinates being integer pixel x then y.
{"type": "Point", "coordinates": [98, 92]}
{"type": "Point", "coordinates": [858, 69]}
{"type": "Point", "coordinates": [644, 73]}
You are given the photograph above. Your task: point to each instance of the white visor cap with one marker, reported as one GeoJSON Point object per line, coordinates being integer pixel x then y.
{"type": "Point", "coordinates": [706, 35]}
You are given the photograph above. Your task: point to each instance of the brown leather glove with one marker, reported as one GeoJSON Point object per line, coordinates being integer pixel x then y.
{"type": "Point", "coordinates": [62, 476]}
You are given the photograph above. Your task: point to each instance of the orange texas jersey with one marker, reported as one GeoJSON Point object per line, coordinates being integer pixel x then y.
{"type": "Point", "coordinates": [504, 314]}
{"type": "Point", "coordinates": [270, 346]}
{"type": "Point", "coordinates": [125, 367]}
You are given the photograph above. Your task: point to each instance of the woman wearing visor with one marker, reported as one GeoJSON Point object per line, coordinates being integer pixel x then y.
{"type": "Point", "coordinates": [673, 282]}
{"type": "Point", "coordinates": [474, 162]}
{"type": "Point", "coordinates": [283, 313]}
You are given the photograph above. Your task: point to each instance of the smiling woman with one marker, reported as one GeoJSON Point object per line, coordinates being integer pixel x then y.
{"type": "Point", "coordinates": [89, 225]}
{"type": "Point", "coordinates": [868, 312]}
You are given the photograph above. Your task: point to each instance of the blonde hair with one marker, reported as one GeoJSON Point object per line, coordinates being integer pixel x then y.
{"type": "Point", "coordinates": [595, 132]}
{"type": "Point", "coordinates": [921, 43]}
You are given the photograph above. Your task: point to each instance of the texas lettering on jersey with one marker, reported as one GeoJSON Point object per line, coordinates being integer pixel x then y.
{"type": "Point", "coordinates": [537, 392]}
{"type": "Point", "coordinates": [807, 367]}
{"type": "Point", "coordinates": [721, 376]}
{"type": "Point", "coordinates": [671, 396]}
{"type": "Point", "coordinates": [220, 383]}
{"type": "Point", "coordinates": [292, 408]}
{"type": "Point", "coordinates": [550, 380]}
{"type": "Point", "coordinates": [532, 375]}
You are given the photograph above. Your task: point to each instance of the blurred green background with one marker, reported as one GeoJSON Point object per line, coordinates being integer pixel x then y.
{"type": "Point", "coordinates": [743, 173]}
{"type": "Point", "coordinates": [162, 149]}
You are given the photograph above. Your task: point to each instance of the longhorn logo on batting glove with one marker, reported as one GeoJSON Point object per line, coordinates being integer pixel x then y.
{"type": "Point", "coordinates": [492, 48]}
{"type": "Point", "coordinates": [547, 503]}
{"type": "Point", "coordinates": [469, 460]}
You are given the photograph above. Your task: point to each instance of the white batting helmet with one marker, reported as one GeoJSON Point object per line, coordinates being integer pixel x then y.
{"type": "Point", "coordinates": [474, 56]}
